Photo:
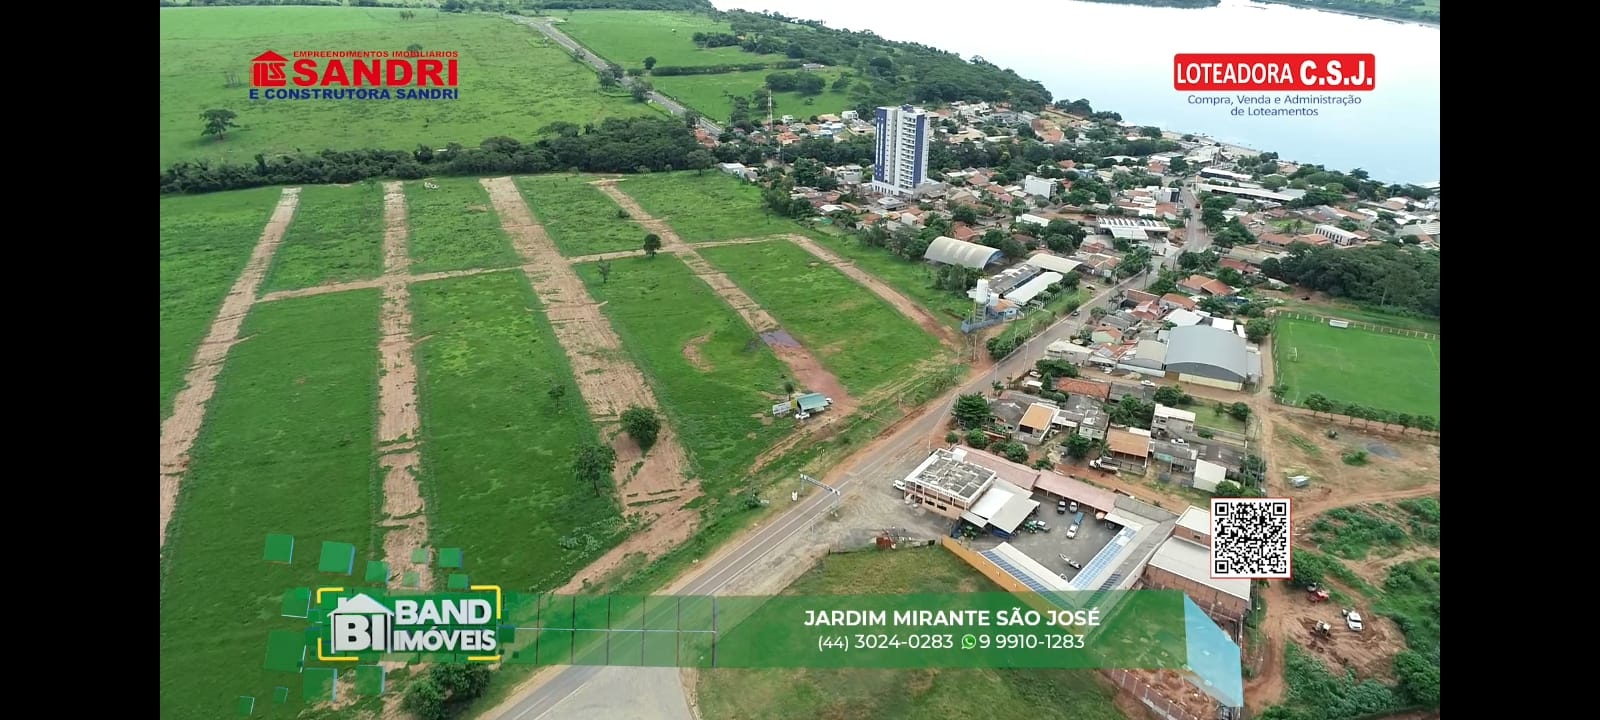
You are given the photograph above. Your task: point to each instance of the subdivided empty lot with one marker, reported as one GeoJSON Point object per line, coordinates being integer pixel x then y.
{"type": "Point", "coordinates": [627, 37]}
{"type": "Point", "coordinates": [705, 208]}
{"type": "Point", "coordinates": [512, 82]}
{"type": "Point", "coordinates": [579, 218]}
{"type": "Point", "coordinates": [336, 236]}
{"type": "Point", "coordinates": [712, 95]}
{"type": "Point", "coordinates": [859, 338]}
{"type": "Point", "coordinates": [286, 448]}
{"type": "Point", "coordinates": [716, 380]}
{"type": "Point", "coordinates": [205, 242]}
{"type": "Point", "coordinates": [497, 443]}
{"type": "Point", "coordinates": [1397, 373]}
{"type": "Point", "coordinates": [453, 227]}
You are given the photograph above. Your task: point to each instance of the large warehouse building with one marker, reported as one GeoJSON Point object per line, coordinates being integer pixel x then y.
{"type": "Point", "coordinates": [950, 251]}
{"type": "Point", "coordinates": [1205, 355]}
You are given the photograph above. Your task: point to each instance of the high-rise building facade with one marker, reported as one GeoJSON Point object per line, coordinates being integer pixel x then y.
{"type": "Point", "coordinates": [902, 161]}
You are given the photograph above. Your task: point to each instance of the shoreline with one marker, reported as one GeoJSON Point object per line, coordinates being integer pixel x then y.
{"type": "Point", "coordinates": [1352, 13]}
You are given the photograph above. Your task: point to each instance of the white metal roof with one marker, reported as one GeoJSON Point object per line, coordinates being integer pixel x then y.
{"type": "Point", "coordinates": [1182, 318]}
{"type": "Point", "coordinates": [1129, 233]}
{"type": "Point", "coordinates": [951, 251]}
{"type": "Point", "coordinates": [1017, 509]}
{"type": "Point", "coordinates": [996, 498]}
{"type": "Point", "coordinates": [1053, 262]}
{"type": "Point", "coordinates": [1207, 476]}
{"type": "Point", "coordinates": [1175, 413]}
{"type": "Point", "coordinates": [1196, 519]}
{"type": "Point", "coordinates": [1222, 323]}
{"type": "Point", "coordinates": [1040, 574]}
{"type": "Point", "coordinates": [1188, 560]}
{"type": "Point", "coordinates": [1032, 288]}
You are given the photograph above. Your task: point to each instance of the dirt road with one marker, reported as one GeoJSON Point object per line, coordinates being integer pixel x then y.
{"type": "Point", "coordinates": [608, 382]}
{"type": "Point", "coordinates": [405, 522]}
{"type": "Point", "coordinates": [178, 431]}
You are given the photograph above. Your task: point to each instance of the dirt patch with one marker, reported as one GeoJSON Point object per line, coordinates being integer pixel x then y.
{"type": "Point", "coordinates": [1370, 653]}
{"type": "Point", "coordinates": [901, 303]}
{"type": "Point", "coordinates": [1375, 570]}
{"type": "Point", "coordinates": [1300, 444]}
{"type": "Point", "coordinates": [178, 432]}
{"type": "Point", "coordinates": [608, 383]}
{"type": "Point", "coordinates": [692, 352]}
{"type": "Point", "coordinates": [812, 377]}
{"type": "Point", "coordinates": [779, 338]}
{"type": "Point", "coordinates": [373, 283]}
{"type": "Point", "coordinates": [405, 521]}
{"type": "Point", "coordinates": [1382, 450]}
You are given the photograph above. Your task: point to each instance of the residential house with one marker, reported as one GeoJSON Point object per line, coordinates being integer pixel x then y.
{"type": "Point", "coordinates": [1176, 458]}
{"type": "Point", "coordinates": [1275, 239]}
{"type": "Point", "coordinates": [1063, 350]}
{"type": "Point", "coordinates": [1036, 424]}
{"type": "Point", "coordinates": [1171, 421]}
{"type": "Point", "coordinates": [1008, 411]}
{"type": "Point", "coordinates": [1194, 284]}
{"type": "Point", "coordinates": [1130, 448]}
{"type": "Point", "coordinates": [1217, 288]}
{"type": "Point", "coordinates": [1137, 297]}
{"type": "Point", "coordinates": [1120, 321]}
{"type": "Point", "coordinates": [1106, 334]}
{"type": "Point", "coordinates": [1208, 475]}
{"type": "Point", "coordinates": [1089, 388]}
{"type": "Point", "coordinates": [1038, 186]}
{"type": "Point", "coordinates": [1171, 301]}
{"type": "Point", "coordinates": [1183, 318]}
{"type": "Point", "coordinates": [1148, 357]}
{"type": "Point", "coordinates": [1084, 415]}
{"type": "Point", "coordinates": [1240, 266]}
{"type": "Point", "coordinates": [1219, 453]}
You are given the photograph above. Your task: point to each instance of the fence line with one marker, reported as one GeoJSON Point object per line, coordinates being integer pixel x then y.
{"type": "Point", "coordinates": [1384, 329]}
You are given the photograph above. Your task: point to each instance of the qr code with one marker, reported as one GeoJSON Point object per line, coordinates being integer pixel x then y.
{"type": "Point", "coordinates": [1250, 538]}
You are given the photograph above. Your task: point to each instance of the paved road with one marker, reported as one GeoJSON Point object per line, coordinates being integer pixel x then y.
{"type": "Point", "coordinates": [913, 438]}
{"type": "Point", "coordinates": [1195, 238]}
{"type": "Point", "coordinates": [600, 65]}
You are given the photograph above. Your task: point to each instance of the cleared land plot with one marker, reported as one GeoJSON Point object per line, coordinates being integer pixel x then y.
{"type": "Point", "coordinates": [713, 95]}
{"type": "Point", "coordinates": [860, 339]}
{"type": "Point", "coordinates": [287, 448]}
{"type": "Point", "coordinates": [205, 242]}
{"type": "Point", "coordinates": [913, 278]}
{"type": "Point", "coordinates": [502, 65]}
{"type": "Point", "coordinates": [781, 694]}
{"type": "Point", "coordinates": [627, 37]}
{"type": "Point", "coordinates": [497, 447]}
{"type": "Point", "coordinates": [1351, 365]}
{"type": "Point", "coordinates": [705, 208]}
{"type": "Point", "coordinates": [716, 380]}
{"type": "Point", "coordinates": [453, 227]}
{"type": "Point", "coordinates": [337, 236]}
{"type": "Point", "coordinates": [579, 218]}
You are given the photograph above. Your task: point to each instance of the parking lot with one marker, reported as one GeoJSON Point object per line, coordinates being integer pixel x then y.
{"type": "Point", "coordinates": [1048, 547]}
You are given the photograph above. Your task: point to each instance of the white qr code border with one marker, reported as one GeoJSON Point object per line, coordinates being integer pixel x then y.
{"type": "Point", "coordinates": [1221, 512]}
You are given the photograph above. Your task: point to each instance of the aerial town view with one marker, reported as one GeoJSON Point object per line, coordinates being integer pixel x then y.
{"type": "Point", "coordinates": [501, 340]}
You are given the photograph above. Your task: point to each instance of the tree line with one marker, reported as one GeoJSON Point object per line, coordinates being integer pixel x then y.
{"type": "Point", "coordinates": [1317, 403]}
{"type": "Point", "coordinates": [1384, 275]}
{"type": "Point", "coordinates": [665, 70]}
{"type": "Point", "coordinates": [615, 145]}
{"type": "Point", "coordinates": [1397, 9]}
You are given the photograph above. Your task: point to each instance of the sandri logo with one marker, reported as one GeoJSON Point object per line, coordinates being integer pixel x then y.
{"type": "Point", "coordinates": [370, 622]}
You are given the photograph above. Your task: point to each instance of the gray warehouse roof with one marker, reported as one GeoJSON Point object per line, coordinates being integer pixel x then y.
{"type": "Point", "coordinates": [1208, 352]}
{"type": "Point", "coordinates": [951, 251]}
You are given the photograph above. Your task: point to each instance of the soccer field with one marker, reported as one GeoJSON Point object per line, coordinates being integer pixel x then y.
{"type": "Point", "coordinates": [1394, 372]}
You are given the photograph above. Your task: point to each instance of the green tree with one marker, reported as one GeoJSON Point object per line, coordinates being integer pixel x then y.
{"type": "Point", "coordinates": [1239, 411]}
{"type": "Point", "coordinates": [977, 439]}
{"type": "Point", "coordinates": [972, 411]}
{"type": "Point", "coordinates": [604, 266]}
{"type": "Point", "coordinates": [649, 62]}
{"type": "Point", "coordinates": [1257, 329]}
{"type": "Point", "coordinates": [652, 245]}
{"type": "Point", "coordinates": [463, 681]}
{"type": "Point", "coordinates": [1171, 396]}
{"type": "Point", "coordinates": [699, 161]}
{"type": "Point", "coordinates": [1014, 451]}
{"type": "Point", "coordinates": [426, 699]}
{"type": "Point", "coordinates": [557, 392]}
{"type": "Point", "coordinates": [1419, 679]}
{"type": "Point", "coordinates": [1078, 446]}
{"type": "Point", "coordinates": [413, 47]}
{"type": "Point", "coordinates": [218, 121]}
{"type": "Point", "coordinates": [642, 425]}
{"type": "Point", "coordinates": [593, 464]}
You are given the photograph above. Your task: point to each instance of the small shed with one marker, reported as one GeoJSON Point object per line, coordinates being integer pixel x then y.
{"type": "Point", "coordinates": [812, 402]}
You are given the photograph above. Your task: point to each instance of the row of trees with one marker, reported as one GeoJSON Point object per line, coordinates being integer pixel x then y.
{"type": "Point", "coordinates": [665, 70]}
{"type": "Point", "coordinates": [1384, 275]}
{"type": "Point", "coordinates": [1317, 403]}
{"type": "Point", "coordinates": [615, 145]}
{"type": "Point", "coordinates": [1397, 9]}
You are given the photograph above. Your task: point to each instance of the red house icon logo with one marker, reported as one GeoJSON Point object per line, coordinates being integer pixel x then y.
{"type": "Point", "coordinates": [266, 70]}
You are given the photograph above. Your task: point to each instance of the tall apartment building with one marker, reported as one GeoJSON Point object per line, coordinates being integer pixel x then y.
{"type": "Point", "coordinates": [902, 159]}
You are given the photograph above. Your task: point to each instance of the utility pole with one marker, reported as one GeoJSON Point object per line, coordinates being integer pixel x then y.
{"type": "Point", "coordinates": [805, 479]}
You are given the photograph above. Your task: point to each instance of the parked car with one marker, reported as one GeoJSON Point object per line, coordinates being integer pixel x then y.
{"type": "Point", "coordinates": [1061, 507]}
{"type": "Point", "coordinates": [1147, 383]}
{"type": "Point", "coordinates": [1075, 313]}
{"type": "Point", "coordinates": [1072, 506]}
{"type": "Point", "coordinates": [1179, 441]}
{"type": "Point", "coordinates": [1353, 619]}
{"type": "Point", "coordinates": [1072, 532]}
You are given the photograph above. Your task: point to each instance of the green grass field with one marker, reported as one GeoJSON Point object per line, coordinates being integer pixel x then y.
{"type": "Point", "coordinates": [1391, 372]}
{"type": "Point", "coordinates": [286, 448]}
{"type": "Point", "coordinates": [860, 339]}
{"type": "Point", "coordinates": [663, 313]}
{"type": "Point", "coordinates": [512, 80]}
{"type": "Point", "coordinates": [496, 448]}
{"type": "Point", "coordinates": [802, 694]}
{"type": "Point", "coordinates": [579, 218]}
{"type": "Point", "coordinates": [627, 37]}
{"type": "Point", "coordinates": [710, 94]}
{"type": "Point", "coordinates": [1351, 312]}
{"type": "Point", "coordinates": [706, 208]}
{"type": "Point", "coordinates": [336, 236]}
{"type": "Point", "coordinates": [205, 242]}
{"type": "Point", "coordinates": [914, 279]}
{"type": "Point", "coordinates": [453, 227]}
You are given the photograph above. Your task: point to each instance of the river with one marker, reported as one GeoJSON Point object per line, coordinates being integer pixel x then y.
{"type": "Point", "coordinates": [1119, 57]}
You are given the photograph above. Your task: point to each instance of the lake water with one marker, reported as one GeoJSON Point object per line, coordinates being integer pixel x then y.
{"type": "Point", "coordinates": [1119, 57]}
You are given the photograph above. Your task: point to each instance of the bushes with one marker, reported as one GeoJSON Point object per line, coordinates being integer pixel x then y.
{"type": "Point", "coordinates": [616, 145]}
